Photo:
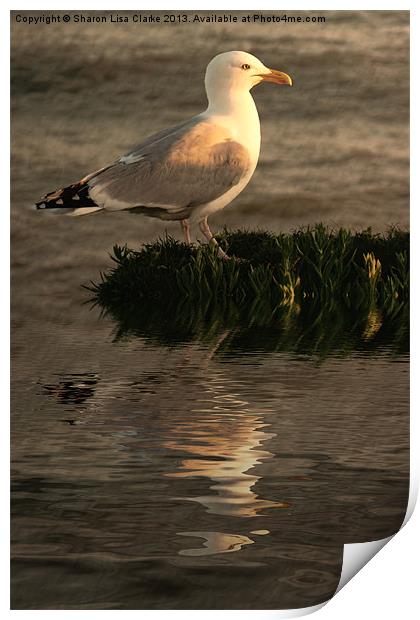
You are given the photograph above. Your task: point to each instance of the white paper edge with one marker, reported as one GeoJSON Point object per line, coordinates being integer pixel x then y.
{"type": "Point", "coordinates": [351, 551]}
{"type": "Point", "coordinates": [357, 555]}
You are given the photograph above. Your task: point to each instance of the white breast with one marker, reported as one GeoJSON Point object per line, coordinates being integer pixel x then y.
{"type": "Point", "coordinates": [243, 123]}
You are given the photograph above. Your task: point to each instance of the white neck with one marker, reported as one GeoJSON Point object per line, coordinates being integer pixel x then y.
{"type": "Point", "coordinates": [229, 101]}
{"type": "Point", "coordinates": [236, 109]}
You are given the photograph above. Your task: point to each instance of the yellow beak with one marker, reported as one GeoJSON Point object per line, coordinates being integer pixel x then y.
{"type": "Point", "coordinates": [277, 77]}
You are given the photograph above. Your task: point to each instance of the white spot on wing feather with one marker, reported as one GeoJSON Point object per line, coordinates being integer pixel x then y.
{"type": "Point", "coordinates": [130, 159]}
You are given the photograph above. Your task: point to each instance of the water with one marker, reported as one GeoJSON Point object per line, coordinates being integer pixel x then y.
{"type": "Point", "coordinates": [199, 475]}
{"type": "Point", "coordinates": [153, 467]}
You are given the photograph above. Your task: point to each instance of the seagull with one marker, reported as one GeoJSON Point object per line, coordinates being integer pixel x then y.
{"type": "Point", "coordinates": [189, 171]}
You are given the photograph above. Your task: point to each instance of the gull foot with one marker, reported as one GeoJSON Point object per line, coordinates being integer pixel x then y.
{"type": "Point", "coordinates": [221, 254]}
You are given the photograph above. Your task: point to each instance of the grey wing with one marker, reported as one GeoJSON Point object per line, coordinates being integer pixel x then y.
{"type": "Point", "coordinates": [173, 171]}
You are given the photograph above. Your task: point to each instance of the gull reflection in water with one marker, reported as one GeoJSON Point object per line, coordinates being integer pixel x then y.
{"type": "Point", "coordinates": [224, 442]}
{"type": "Point", "coordinates": [216, 542]}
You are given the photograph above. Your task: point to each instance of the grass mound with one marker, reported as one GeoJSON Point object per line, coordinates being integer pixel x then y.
{"type": "Point", "coordinates": [313, 291]}
{"type": "Point", "coordinates": [315, 264]}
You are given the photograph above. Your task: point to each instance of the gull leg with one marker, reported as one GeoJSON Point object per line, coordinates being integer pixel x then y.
{"type": "Point", "coordinates": [204, 227]}
{"type": "Point", "coordinates": [185, 225]}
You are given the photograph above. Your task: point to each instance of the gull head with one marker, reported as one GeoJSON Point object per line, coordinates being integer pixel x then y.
{"type": "Point", "coordinates": [240, 71]}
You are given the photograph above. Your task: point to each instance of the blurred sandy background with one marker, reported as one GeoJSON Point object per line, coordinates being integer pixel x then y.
{"type": "Point", "coordinates": [334, 147]}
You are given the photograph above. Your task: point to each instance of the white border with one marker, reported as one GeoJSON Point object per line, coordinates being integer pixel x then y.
{"type": "Point", "coordinates": [386, 586]}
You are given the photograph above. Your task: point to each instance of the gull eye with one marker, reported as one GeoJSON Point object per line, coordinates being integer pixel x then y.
{"type": "Point", "coordinates": [245, 67]}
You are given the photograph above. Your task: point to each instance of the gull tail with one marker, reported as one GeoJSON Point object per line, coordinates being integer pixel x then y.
{"type": "Point", "coordinates": [71, 200]}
